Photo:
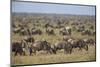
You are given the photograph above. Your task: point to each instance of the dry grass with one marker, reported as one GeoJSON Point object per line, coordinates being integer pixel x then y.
{"type": "Point", "coordinates": [42, 58]}
{"type": "Point", "coordinates": [56, 58]}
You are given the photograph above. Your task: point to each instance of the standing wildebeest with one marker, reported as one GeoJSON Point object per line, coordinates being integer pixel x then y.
{"type": "Point", "coordinates": [63, 45]}
{"type": "Point", "coordinates": [68, 29]}
{"type": "Point", "coordinates": [78, 44]}
{"type": "Point", "coordinates": [18, 47]}
{"type": "Point", "coordinates": [42, 45]}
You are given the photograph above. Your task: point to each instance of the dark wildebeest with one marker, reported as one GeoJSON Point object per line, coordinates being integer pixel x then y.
{"type": "Point", "coordinates": [29, 39]}
{"type": "Point", "coordinates": [78, 44]}
{"type": "Point", "coordinates": [50, 31]}
{"type": "Point", "coordinates": [86, 32]}
{"type": "Point", "coordinates": [80, 28]}
{"type": "Point", "coordinates": [42, 45]}
{"type": "Point", "coordinates": [62, 32]}
{"type": "Point", "coordinates": [23, 32]}
{"type": "Point", "coordinates": [16, 30]}
{"type": "Point", "coordinates": [36, 31]}
{"type": "Point", "coordinates": [66, 38]}
{"type": "Point", "coordinates": [14, 25]}
{"type": "Point", "coordinates": [92, 27]}
{"type": "Point", "coordinates": [90, 41]}
{"type": "Point", "coordinates": [65, 31]}
{"type": "Point", "coordinates": [46, 25]}
{"type": "Point", "coordinates": [63, 45]}
{"type": "Point", "coordinates": [18, 47]}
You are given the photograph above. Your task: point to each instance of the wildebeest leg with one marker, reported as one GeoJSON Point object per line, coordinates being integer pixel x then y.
{"type": "Point", "coordinates": [70, 51]}
{"type": "Point", "coordinates": [80, 48]}
{"type": "Point", "coordinates": [53, 51]}
{"type": "Point", "coordinates": [50, 51]}
{"type": "Point", "coordinates": [24, 53]}
{"type": "Point", "coordinates": [20, 52]}
{"type": "Point", "coordinates": [34, 52]}
{"type": "Point", "coordinates": [15, 53]}
{"type": "Point", "coordinates": [30, 50]}
{"type": "Point", "coordinates": [47, 51]}
{"type": "Point", "coordinates": [65, 51]}
{"type": "Point", "coordinates": [86, 47]}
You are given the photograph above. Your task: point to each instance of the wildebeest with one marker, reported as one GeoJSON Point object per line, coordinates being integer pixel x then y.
{"type": "Point", "coordinates": [79, 43]}
{"type": "Point", "coordinates": [65, 31]}
{"type": "Point", "coordinates": [16, 30]}
{"type": "Point", "coordinates": [92, 27]}
{"type": "Point", "coordinates": [18, 47]}
{"type": "Point", "coordinates": [86, 32]}
{"type": "Point", "coordinates": [62, 32]}
{"type": "Point", "coordinates": [36, 31]}
{"type": "Point", "coordinates": [42, 45]}
{"type": "Point", "coordinates": [23, 32]}
{"type": "Point", "coordinates": [68, 29]}
{"type": "Point", "coordinates": [63, 45]}
{"type": "Point", "coordinates": [50, 31]}
{"type": "Point", "coordinates": [29, 39]}
{"type": "Point", "coordinates": [46, 25]}
{"type": "Point", "coordinates": [90, 41]}
{"type": "Point", "coordinates": [80, 28]}
{"type": "Point", "coordinates": [66, 37]}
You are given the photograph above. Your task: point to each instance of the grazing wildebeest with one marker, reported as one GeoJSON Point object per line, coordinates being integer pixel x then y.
{"type": "Point", "coordinates": [92, 27]}
{"type": "Point", "coordinates": [23, 32]}
{"type": "Point", "coordinates": [16, 30]}
{"type": "Point", "coordinates": [90, 41]}
{"type": "Point", "coordinates": [80, 28]}
{"type": "Point", "coordinates": [65, 31]}
{"type": "Point", "coordinates": [63, 45]}
{"type": "Point", "coordinates": [46, 25]}
{"type": "Point", "coordinates": [42, 45]}
{"type": "Point", "coordinates": [66, 37]}
{"type": "Point", "coordinates": [50, 31]}
{"type": "Point", "coordinates": [14, 25]}
{"type": "Point", "coordinates": [18, 47]}
{"type": "Point", "coordinates": [36, 31]}
{"type": "Point", "coordinates": [29, 39]}
{"type": "Point", "coordinates": [86, 32]}
{"type": "Point", "coordinates": [62, 32]}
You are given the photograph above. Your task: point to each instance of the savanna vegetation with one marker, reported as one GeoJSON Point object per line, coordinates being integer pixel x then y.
{"type": "Point", "coordinates": [50, 27]}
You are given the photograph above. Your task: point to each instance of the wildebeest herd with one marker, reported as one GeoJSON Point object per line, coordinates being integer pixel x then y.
{"type": "Point", "coordinates": [35, 32]}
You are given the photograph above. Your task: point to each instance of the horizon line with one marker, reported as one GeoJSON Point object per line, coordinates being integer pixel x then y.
{"type": "Point", "coordinates": [54, 13]}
